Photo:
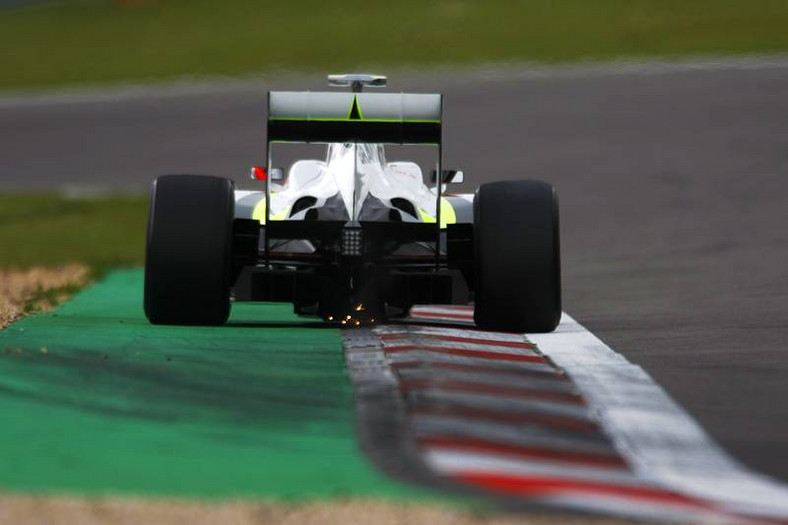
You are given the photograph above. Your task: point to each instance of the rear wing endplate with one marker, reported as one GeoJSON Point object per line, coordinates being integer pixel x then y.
{"type": "Point", "coordinates": [383, 118]}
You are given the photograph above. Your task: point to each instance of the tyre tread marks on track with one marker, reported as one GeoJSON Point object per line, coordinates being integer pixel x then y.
{"type": "Point", "coordinates": [490, 413]}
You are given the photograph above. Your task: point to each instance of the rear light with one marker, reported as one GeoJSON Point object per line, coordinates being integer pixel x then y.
{"type": "Point", "coordinates": [352, 242]}
{"type": "Point", "coordinates": [259, 173]}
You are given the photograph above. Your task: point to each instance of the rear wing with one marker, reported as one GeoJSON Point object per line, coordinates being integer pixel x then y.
{"type": "Point", "coordinates": [377, 118]}
{"type": "Point", "coordinates": [382, 118]}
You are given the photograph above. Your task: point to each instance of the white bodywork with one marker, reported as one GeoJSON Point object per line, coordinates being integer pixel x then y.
{"type": "Point", "coordinates": [352, 172]}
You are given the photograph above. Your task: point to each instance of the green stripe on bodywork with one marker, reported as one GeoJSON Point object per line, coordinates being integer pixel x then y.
{"type": "Point", "coordinates": [93, 399]}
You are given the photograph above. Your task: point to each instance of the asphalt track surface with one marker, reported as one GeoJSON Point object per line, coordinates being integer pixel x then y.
{"type": "Point", "coordinates": [673, 187]}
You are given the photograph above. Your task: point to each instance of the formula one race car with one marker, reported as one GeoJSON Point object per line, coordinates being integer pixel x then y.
{"type": "Point", "coordinates": [354, 237]}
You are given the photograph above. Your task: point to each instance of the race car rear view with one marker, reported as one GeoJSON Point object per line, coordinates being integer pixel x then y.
{"type": "Point", "coordinates": [354, 237]}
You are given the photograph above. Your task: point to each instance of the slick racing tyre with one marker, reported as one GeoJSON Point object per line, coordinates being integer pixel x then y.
{"type": "Point", "coordinates": [188, 253]}
{"type": "Point", "coordinates": [517, 266]}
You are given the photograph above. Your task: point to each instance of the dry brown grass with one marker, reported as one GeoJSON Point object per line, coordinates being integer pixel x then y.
{"type": "Point", "coordinates": [37, 288]}
{"type": "Point", "coordinates": [82, 511]}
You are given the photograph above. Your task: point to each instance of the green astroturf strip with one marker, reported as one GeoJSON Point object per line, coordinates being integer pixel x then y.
{"type": "Point", "coordinates": [260, 408]}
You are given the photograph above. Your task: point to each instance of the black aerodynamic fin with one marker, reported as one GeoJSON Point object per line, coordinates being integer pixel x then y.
{"type": "Point", "coordinates": [405, 205]}
{"type": "Point", "coordinates": [355, 112]}
{"type": "Point", "coordinates": [302, 204]}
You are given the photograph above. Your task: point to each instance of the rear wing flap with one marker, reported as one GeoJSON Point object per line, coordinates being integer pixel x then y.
{"type": "Point", "coordinates": [383, 118]}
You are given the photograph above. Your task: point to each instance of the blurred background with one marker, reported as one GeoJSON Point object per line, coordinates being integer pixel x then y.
{"type": "Point", "coordinates": [89, 42]}
{"type": "Point", "coordinates": [100, 96]}
{"type": "Point", "coordinates": [662, 123]}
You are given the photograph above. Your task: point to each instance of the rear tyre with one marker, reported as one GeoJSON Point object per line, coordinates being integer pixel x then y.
{"type": "Point", "coordinates": [189, 250]}
{"type": "Point", "coordinates": [517, 261]}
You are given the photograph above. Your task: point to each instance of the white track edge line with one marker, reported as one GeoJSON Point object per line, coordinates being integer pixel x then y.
{"type": "Point", "coordinates": [661, 441]}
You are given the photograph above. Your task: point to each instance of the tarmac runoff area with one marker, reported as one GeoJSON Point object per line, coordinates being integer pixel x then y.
{"type": "Point", "coordinates": [96, 401]}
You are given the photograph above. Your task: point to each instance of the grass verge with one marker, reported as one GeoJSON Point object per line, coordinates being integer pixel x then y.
{"type": "Point", "coordinates": [53, 245]}
{"type": "Point", "coordinates": [53, 230]}
{"type": "Point", "coordinates": [99, 41]}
